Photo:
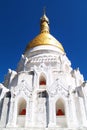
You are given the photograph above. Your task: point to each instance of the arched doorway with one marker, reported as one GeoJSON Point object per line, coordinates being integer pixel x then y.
{"type": "Point", "coordinates": [60, 113]}
{"type": "Point", "coordinates": [42, 81]}
{"type": "Point", "coordinates": [21, 112]}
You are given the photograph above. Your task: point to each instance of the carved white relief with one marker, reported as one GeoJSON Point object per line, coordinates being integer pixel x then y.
{"type": "Point", "coordinates": [57, 87]}
{"type": "Point", "coordinates": [41, 110]}
{"type": "Point", "coordinates": [40, 68]}
{"type": "Point", "coordinates": [25, 87]}
{"type": "Point", "coordinates": [60, 61]}
{"type": "Point", "coordinates": [23, 83]}
{"type": "Point", "coordinates": [44, 59]}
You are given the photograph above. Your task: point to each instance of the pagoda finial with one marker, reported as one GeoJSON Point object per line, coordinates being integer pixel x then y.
{"type": "Point", "coordinates": [44, 22]}
{"type": "Point", "coordinates": [44, 10]}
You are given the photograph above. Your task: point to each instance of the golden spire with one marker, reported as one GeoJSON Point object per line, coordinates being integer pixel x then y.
{"type": "Point", "coordinates": [44, 23]}
{"type": "Point", "coordinates": [44, 38]}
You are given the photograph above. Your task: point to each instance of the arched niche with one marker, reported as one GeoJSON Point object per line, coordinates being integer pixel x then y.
{"type": "Point", "coordinates": [60, 113]}
{"type": "Point", "coordinates": [60, 108]}
{"type": "Point", "coordinates": [42, 81]}
{"type": "Point", "coordinates": [21, 112]}
{"type": "Point", "coordinates": [22, 106]}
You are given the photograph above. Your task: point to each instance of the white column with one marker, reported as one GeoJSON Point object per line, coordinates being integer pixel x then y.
{"type": "Point", "coordinates": [15, 113]}
{"type": "Point", "coordinates": [52, 113]}
{"type": "Point", "coordinates": [83, 113]}
{"type": "Point", "coordinates": [85, 102]}
{"type": "Point", "coordinates": [4, 112]}
{"type": "Point", "coordinates": [73, 111]}
{"type": "Point", "coordinates": [10, 120]}
{"type": "Point", "coordinates": [1, 104]}
{"type": "Point", "coordinates": [28, 113]}
{"type": "Point", "coordinates": [34, 109]}
{"type": "Point", "coordinates": [68, 113]}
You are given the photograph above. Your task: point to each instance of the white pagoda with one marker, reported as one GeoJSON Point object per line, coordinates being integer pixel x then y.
{"type": "Point", "coordinates": [44, 93]}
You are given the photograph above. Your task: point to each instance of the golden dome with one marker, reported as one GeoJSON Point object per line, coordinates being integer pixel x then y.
{"type": "Point", "coordinates": [44, 38]}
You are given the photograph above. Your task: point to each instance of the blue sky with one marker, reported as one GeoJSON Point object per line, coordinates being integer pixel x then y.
{"type": "Point", "coordinates": [19, 24]}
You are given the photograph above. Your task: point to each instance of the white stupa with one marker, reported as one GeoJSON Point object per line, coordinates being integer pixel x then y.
{"type": "Point", "coordinates": [44, 92]}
